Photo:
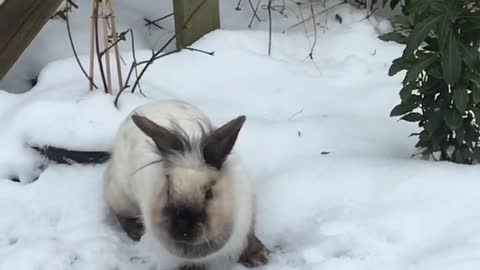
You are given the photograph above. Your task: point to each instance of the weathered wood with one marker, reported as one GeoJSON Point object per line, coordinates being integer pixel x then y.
{"type": "Point", "coordinates": [205, 20]}
{"type": "Point", "coordinates": [20, 22]}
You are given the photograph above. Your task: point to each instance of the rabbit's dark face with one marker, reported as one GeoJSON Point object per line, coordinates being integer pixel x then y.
{"type": "Point", "coordinates": [194, 214]}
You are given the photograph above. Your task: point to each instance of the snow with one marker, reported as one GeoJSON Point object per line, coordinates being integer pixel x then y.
{"type": "Point", "coordinates": [52, 42]}
{"type": "Point", "coordinates": [337, 188]}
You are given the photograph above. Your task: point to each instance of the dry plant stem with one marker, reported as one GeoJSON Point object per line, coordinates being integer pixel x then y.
{"type": "Point", "coordinates": [92, 47]}
{"type": "Point", "coordinates": [135, 60]}
{"type": "Point", "coordinates": [157, 20]}
{"type": "Point", "coordinates": [157, 53]}
{"type": "Point", "coordinates": [70, 38]}
{"type": "Point", "coordinates": [238, 5]}
{"type": "Point", "coordinates": [115, 41]}
{"type": "Point", "coordinates": [254, 9]}
{"type": "Point", "coordinates": [104, 16]}
{"type": "Point", "coordinates": [152, 23]}
{"type": "Point", "coordinates": [314, 32]}
{"type": "Point", "coordinates": [269, 7]}
{"type": "Point", "coordinates": [318, 14]}
{"type": "Point", "coordinates": [97, 45]}
{"type": "Point", "coordinates": [254, 14]}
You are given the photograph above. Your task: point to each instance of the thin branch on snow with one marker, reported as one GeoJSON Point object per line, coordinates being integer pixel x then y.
{"type": "Point", "coordinates": [237, 8]}
{"type": "Point", "coordinates": [198, 50]}
{"type": "Point", "coordinates": [97, 46]}
{"type": "Point", "coordinates": [121, 37]}
{"type": "Point", "coordinates": [155, 56]}
{"type": "Point", "coordinates": [318, 14]}
{"type": "Point", "coordinates": [314, 32]}
{"type": "Point", "coordinates": [153, 23]}
{"type": "Point", "coordinates": [269, 27]}
{"type": "Point", "coordinates": [255, 14]}
{"type": "Point", "coordinates": [67, 9]}
{"type": "Point", "coordinates": [254, 9]}
{"type": "Point", "coordinates": [157, 20]}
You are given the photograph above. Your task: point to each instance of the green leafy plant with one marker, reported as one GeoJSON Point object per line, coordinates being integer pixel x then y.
{"type": "Point", "coordinates": [441, 86]}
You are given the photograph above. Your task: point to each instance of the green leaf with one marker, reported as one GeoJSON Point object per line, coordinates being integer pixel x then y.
{"type": "Point", "coordinates": [435, 71]}
{"type": "Point", "coordinates": [471, 56]}
{"type": "Point", "coordinates": [403, 108]}
{"type": "Point", "coordinates": [435, 120]}
{"type": "Point", "coordinates": [412, 117]}
{"type": "Point", "coordinates": [453, 119]}
{"type": "Point", "coordinates": [451, 57]}
{"type": "Point", "coordinates": [394, 36]}
{"type": "Point", "coordinates": [420, 65]}
{"type": "Point", "coordinates": [473, 77]}
{"type": "Point", "coordinates": [470, 25]}
{"type": "Point", "coordinates": [401, 20]}
{"type": "Point", "coordinates": [461, 97]}
{"type": "Point", "coordinates": [475, 94]}
{"type": "Point", "coordinates": [419, 33]}
{"type": "Point", "coordinates": [398, 65]}
{"type": "Point", "coordinates": [406, 91]}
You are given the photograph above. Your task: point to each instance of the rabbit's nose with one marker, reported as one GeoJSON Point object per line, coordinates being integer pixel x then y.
{"type": "Point", "coordinates": [183, 225]}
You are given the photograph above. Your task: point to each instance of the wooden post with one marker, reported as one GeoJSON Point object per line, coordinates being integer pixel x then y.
{"type": "Point", "coordinates": [20, 22]}
{"type": "Point", "coordinates": [206, 19]}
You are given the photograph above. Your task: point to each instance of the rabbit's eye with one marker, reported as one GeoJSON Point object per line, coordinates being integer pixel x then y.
{"type": "Point", "coordinates": [208, 194]}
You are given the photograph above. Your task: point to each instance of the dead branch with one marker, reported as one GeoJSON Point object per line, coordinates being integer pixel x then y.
{"type": "Point", "coordinates": [254, 9]}
{"type": "Point", "coordinates": [269, 7]}
{"type": "Point", "coordinates": [314, 31]}
{"type": "Point", "coordinates": [156, 54]}
{"type": "Point", "coordinates": [152, 23]}
{"type": "Point", "coordinates": [157, 20]}
{"type": "Point", "coordinates": [318, 14]}
{"type": "Point", "coordinates": [255, 14]}
{"type": "Point", "coordinates": [72, 44]}
{"type": "Point", "coordinates": [97, 45]}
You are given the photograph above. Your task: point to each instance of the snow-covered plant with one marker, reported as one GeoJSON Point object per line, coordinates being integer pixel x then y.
{"type": "Point", "coordinates": [441, 87]}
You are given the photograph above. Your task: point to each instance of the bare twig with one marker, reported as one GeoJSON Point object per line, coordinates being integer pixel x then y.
{"type": "Point", "coordinates": [152, 23]}
{"type": "Point", "coordinates": [156, 54]}
{"type": "Point", "coordinates": [121, 37]}
{"type": "Point", "coordinates": [115, 41]}
{"type": "Point", "coordinates": [269, 27]}
{"type": "Point", "coordinates": [103, 10]}
{"type": "Point", "coordinates": [237, 8]}
{"type": "Point", "coordinates": [92, 46]}
{"type": "Point", "coordinates": [254, 14]}
{"type": "Point", "coordinates": [254, 9]}
{"type": "Point", "coordinates": [99, 58]}
{"type": "Point", "coordinates": [314, 32]}
{"type": "Point", "coordinates": [72, 44]}
{"type": "Point", "coordinates": [198, 50]}
{"type": "Point", "coordinates": [157, 20]}
{"type": "Point", "coordinates": [318, 14]}
{"type": "Point", "coordinates": [295, 114]}
{"type": "Point", "coordinates": [135, 60]}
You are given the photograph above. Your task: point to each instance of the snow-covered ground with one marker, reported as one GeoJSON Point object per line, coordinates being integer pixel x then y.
{"type": "Point", "coordinates": [52, 42]}
{"type": "Point", "coordinates": [337, 188]}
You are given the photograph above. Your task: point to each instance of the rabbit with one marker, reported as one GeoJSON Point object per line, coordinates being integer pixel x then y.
{"type": "Point", "coordinates": [174, 176]}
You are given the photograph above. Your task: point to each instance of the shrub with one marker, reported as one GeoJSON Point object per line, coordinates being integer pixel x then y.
{"type": "Point", "coordinates": [441, 87]}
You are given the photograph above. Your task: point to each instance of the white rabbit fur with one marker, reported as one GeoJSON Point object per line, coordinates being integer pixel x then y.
{"type": "Point", "coordinates": [132, 192]}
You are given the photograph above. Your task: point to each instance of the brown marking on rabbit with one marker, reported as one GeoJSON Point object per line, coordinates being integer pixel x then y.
{"type": "Point", "coordinates": [173, 169]}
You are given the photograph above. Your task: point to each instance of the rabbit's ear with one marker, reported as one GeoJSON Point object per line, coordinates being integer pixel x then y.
{"type": "Point", "coordinates": [165, 140]}
{"type": "Point", "coordinates": [219, 144]}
